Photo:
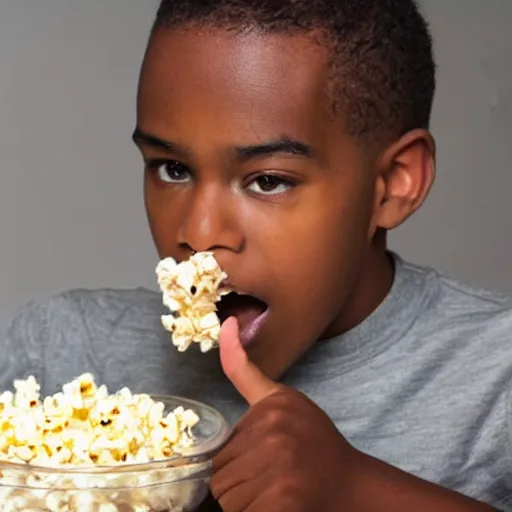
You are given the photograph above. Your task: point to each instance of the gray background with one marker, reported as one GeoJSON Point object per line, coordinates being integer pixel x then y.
{"type": "Point", "coordinates": [71, 211]}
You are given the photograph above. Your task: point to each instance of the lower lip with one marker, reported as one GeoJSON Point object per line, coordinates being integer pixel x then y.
{"type": "Point", "coordinates": [250, 331]}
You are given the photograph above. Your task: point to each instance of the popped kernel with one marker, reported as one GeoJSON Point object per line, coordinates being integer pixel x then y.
{"type": "Point", "coordinates": [190, 291]}
{"type": "Point", "coordinates": [85, 426]}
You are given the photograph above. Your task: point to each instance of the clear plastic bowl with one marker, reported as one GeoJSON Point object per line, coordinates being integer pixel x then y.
{"type": "Point", "coordinates": [179, 483]}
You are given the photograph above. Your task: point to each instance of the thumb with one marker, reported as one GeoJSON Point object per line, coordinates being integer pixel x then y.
{"type": "Point", "coordinates": [247, 378]}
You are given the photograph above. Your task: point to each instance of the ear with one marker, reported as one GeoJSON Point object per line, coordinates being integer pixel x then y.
{"type": "Point", "coordinates": [405, 174]}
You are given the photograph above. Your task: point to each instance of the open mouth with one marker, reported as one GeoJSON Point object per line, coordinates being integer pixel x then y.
{"type": "Point", "coordinates": [248, 310]}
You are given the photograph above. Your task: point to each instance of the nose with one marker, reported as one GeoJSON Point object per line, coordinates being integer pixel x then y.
{"type": "Point", "coordinates": [210, 221]}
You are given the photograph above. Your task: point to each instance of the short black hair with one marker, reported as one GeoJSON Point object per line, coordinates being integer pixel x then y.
{"type": "Point", "coordinates": [381, 50]}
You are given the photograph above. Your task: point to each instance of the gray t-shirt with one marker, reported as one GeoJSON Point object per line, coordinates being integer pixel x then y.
{"type": "Point", "coordinates": [424, 383]}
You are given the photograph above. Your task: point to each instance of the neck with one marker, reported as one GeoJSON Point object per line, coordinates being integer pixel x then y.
{"type": "Point", "coordinates": [374, 282]}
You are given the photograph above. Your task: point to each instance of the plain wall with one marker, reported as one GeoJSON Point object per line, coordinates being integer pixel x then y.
{"type": "Point", "coordinates": [71, 210]}
{"type": "Point", "coordinates": [464, 228]}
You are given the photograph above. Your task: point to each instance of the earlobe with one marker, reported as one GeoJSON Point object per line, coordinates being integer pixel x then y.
{"type": "Point", "coordinates": [406, 172]}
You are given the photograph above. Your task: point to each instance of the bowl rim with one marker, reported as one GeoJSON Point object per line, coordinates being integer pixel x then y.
{"type": "Point", "coordinates": [187, 456]}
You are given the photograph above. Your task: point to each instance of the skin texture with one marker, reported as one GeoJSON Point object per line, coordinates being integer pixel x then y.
{"type": "Point", "coordinates": [300, 225]}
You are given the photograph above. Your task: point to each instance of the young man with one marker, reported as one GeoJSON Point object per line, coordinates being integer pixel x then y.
{"type": "Point", "coordinates": [288, 137]}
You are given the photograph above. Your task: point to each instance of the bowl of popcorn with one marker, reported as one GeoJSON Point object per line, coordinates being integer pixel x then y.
{"type": "Point", "coordinates": [86, 450]}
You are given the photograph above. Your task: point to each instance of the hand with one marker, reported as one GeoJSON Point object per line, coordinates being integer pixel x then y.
{"type": "Point", "coordinates": [285, 454]}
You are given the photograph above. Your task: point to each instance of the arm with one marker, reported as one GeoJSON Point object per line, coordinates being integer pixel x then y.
{"type": "Point", "coordinates": [379, 486]}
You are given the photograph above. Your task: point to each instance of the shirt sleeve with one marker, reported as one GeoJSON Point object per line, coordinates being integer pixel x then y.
{"type": "Point", "coordinates": [22, 346]}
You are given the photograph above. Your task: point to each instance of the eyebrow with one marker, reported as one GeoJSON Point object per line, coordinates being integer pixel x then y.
{"type": "Point", "coordinates": [283, 145]}
{"type": "Point", "coordinates": [146, 139]}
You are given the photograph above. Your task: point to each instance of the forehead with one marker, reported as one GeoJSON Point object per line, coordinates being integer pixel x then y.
{"type": "Point", "coordinates": [255, 84]}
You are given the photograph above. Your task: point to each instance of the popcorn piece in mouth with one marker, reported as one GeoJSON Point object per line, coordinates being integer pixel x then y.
{"type": "Point", "coordinates": [191, 290]}
{"type": "Point", "coordinates": [81, 427]}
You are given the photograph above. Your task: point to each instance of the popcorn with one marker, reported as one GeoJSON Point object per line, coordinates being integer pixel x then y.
{"type": "Point", "coordinates": [27, 393]}
{"type": "Point", "coordinates": [83, 427]}
{"type": "Point", "coordinates": [190, 290]}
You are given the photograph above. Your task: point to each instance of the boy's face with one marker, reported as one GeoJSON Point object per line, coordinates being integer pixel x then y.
{"type": "Point", "coordinates": [244, 157]}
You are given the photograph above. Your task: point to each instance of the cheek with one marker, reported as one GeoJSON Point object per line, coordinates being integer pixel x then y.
{"type": "Point", "coordinates": [324, 252]}
{"type": "Point", "coordinates": [161, 214]}
{"type": "Point", "coordinates": [312, 238]}
{"type": "Point", "coordinates": [315, 252]}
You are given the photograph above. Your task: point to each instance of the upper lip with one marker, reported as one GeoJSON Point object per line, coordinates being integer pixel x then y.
{"type": "Point", "coordinates": [232, 288]}
{"type": "Point", "coordinates": [228, 285]}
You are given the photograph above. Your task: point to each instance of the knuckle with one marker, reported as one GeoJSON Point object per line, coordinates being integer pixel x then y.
{"type": "Point", "coordinates": [273, 443]}
{"type": "Point", "coordinates": [275, 418]}
{"type": "Point", "coordinates": [285, 449]}
{"type": "Point", "coordinates": [286, 491]}
{"type": "Point", "coordinates": [217, 486]}
{"type": "Point", "coordinates": [288, 453]}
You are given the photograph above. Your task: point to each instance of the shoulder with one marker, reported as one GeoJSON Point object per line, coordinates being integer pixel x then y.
{"type": "Point", "coordinates": [464, 330]}
{"type": "Point", "coordinates": [450, 304]}
{"type": "Point", "coordinates": [102, 306]}
{"type": "Point", "coordinates": [77, 331]}
{"type": "Point", "coordinates": [108, 300]}
{"type": "Point", "coordinates": [94, 309]}
{"type": "Point", "coordinates": [453, 374]}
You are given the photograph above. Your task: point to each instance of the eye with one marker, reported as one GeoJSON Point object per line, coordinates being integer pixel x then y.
{"type": "Point", "coordinates": [172, 171]}
{"type": "Point", "coordinates": [270, 184]}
